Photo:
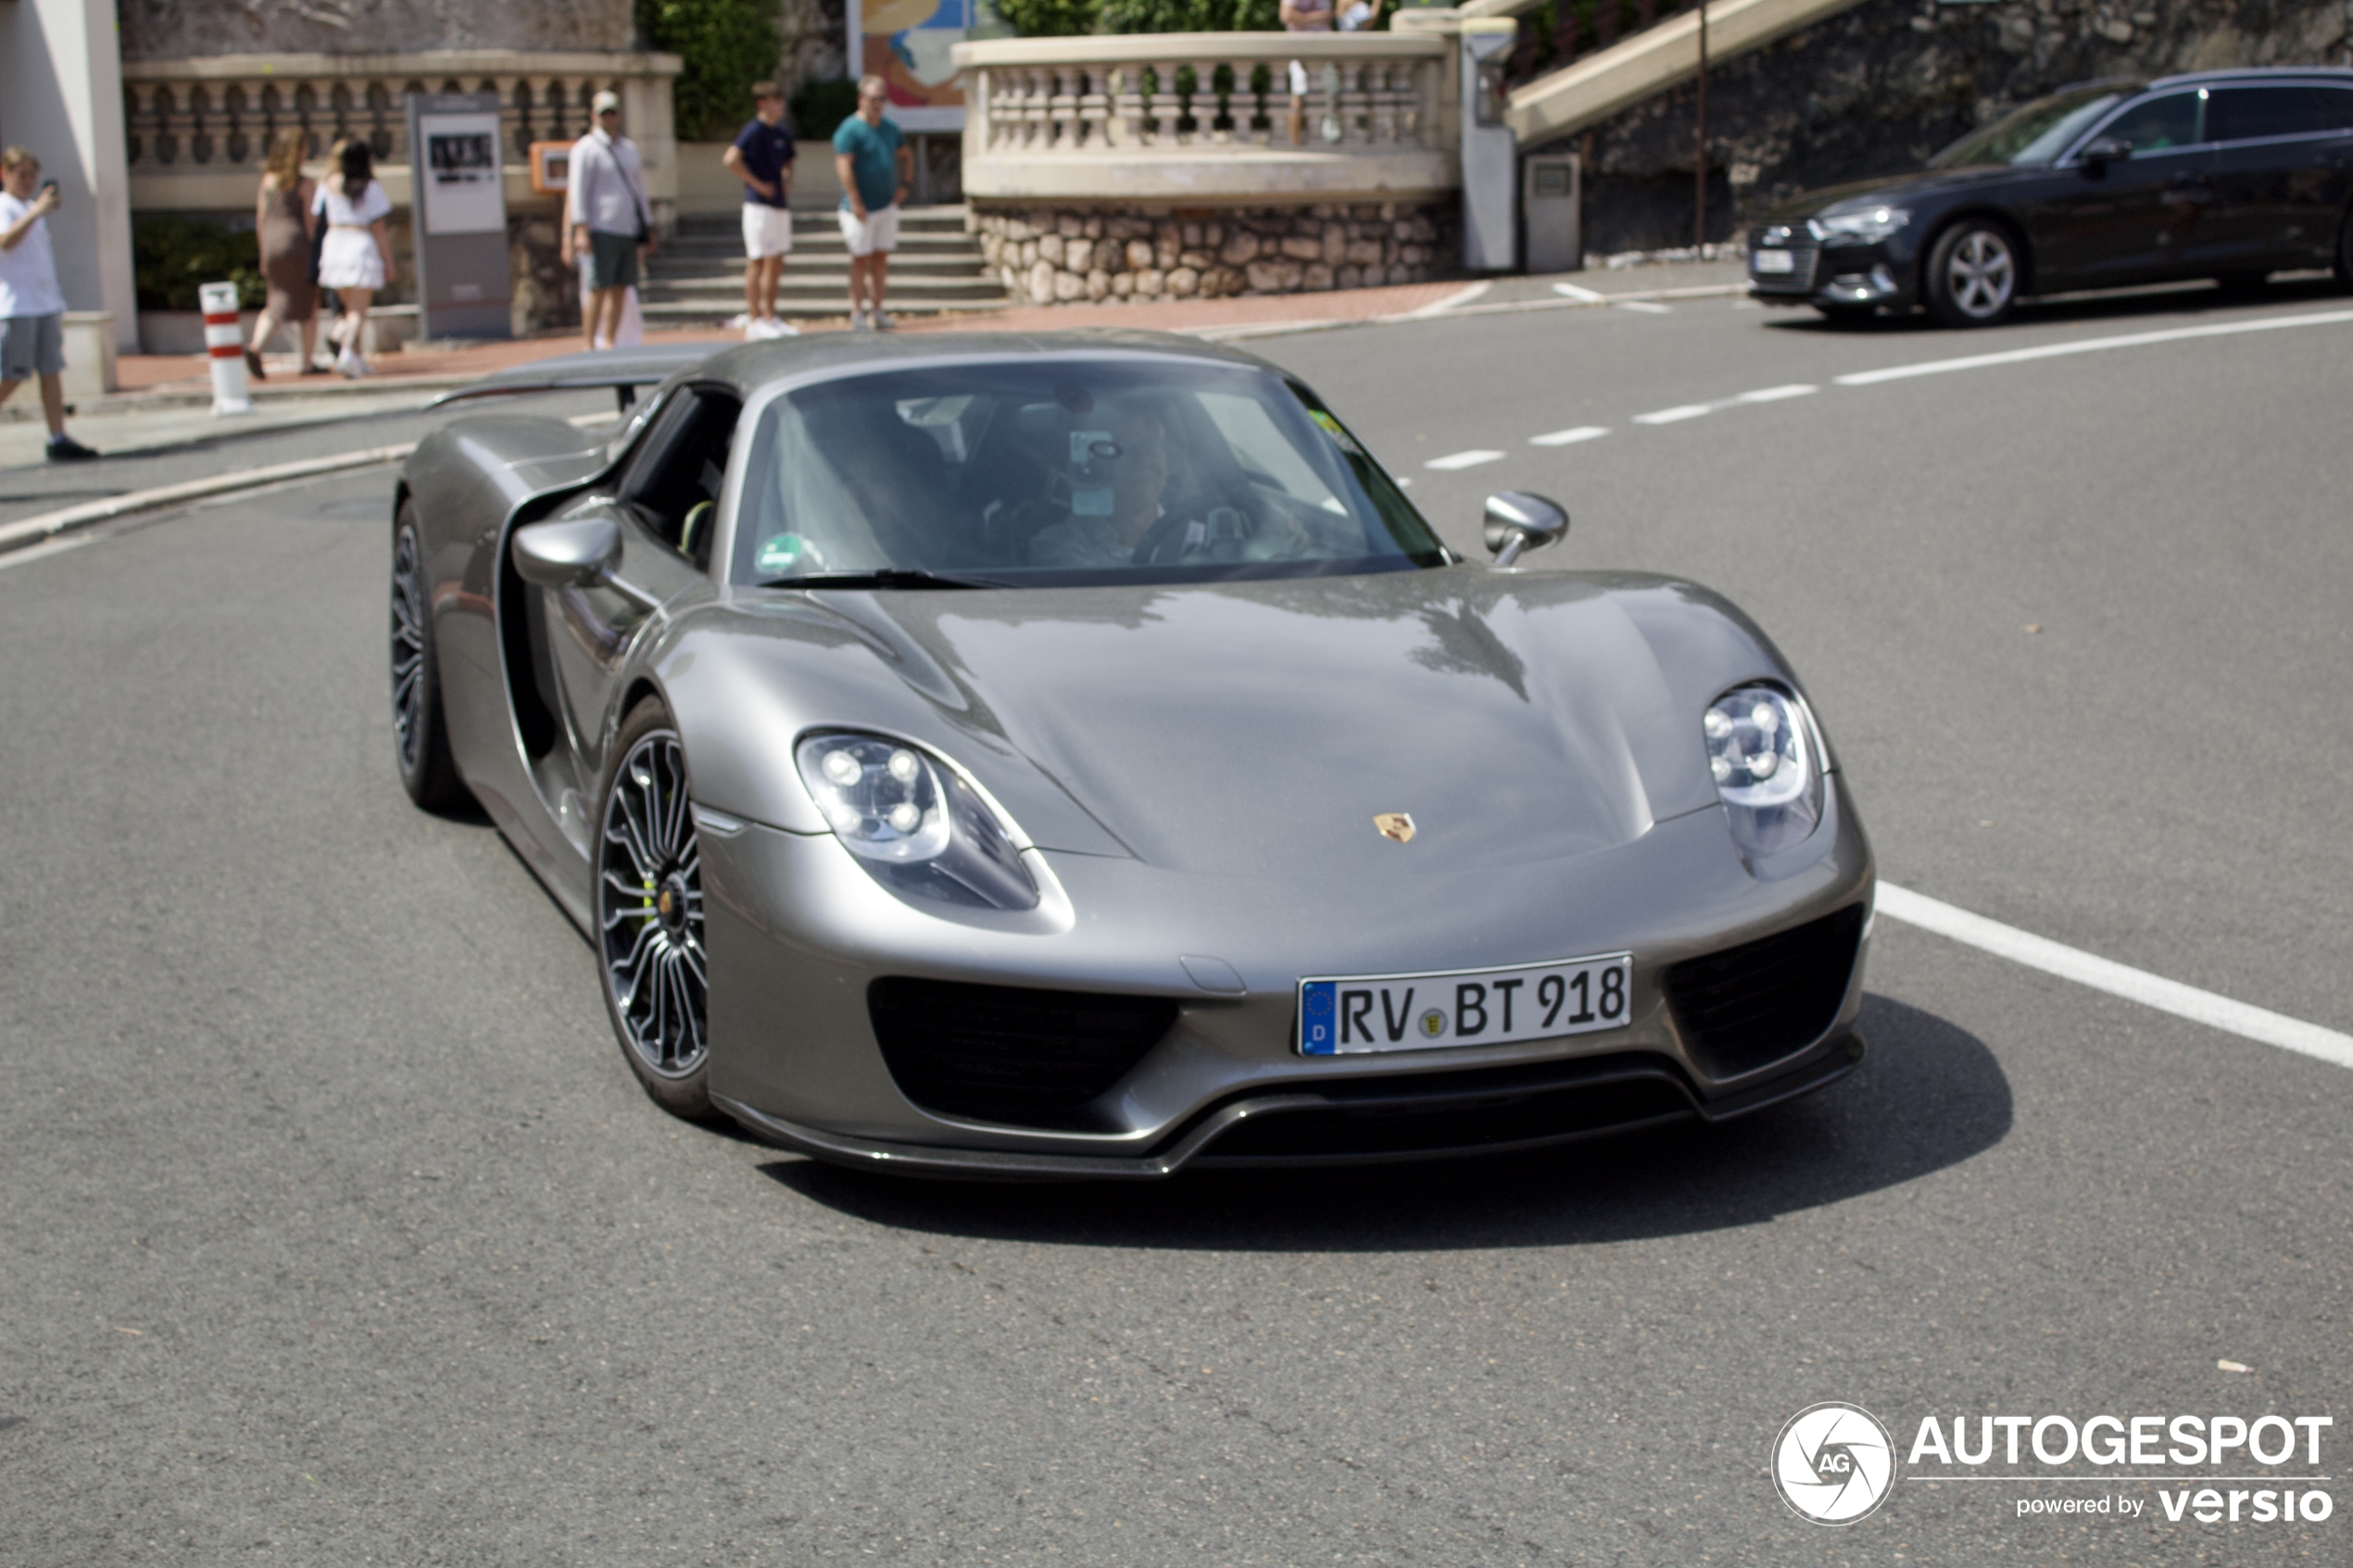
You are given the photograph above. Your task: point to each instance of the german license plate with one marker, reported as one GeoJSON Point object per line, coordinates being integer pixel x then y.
{"type": "Point", "coordinates": [1355, 1015]}
{"type": "Point", "coordinates": [1774, 261]}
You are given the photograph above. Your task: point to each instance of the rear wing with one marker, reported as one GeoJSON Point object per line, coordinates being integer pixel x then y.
{"type": "Point", "coordinates": [623, 370]}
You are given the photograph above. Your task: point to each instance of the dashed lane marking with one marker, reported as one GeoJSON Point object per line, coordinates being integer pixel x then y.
{"type": "Point", "coordinates": [2093, 345]}
{"type": "Point", "coordinates": [1570, 438]}
{"type": "Point", "coordinates": [2115, 979]}
{"type": "Point", "coordinates": [1583, 297]}
{"type": "Point", "coordinates": [1470, 459]}
{"type": "Point", "coordinates": [1676, 415]}
{"type": "Point", "coordinates": [1777, 393]}
{"type": "Point", "coordinates": [1646, 308]}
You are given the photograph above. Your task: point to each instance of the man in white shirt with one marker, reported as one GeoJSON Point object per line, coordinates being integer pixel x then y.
{"type": "Point", "coordinates": [32, 306]}
{"type": "Point", "coordinates": [606, 218]}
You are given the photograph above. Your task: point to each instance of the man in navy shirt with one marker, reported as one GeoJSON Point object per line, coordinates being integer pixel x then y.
{"type": "Point", "coordinates": [763, 158]}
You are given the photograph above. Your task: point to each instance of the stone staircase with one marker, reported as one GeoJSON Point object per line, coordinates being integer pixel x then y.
{"type": "Point", "coordinates": [697, 277]}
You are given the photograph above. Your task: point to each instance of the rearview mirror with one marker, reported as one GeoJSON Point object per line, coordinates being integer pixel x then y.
{"type": "Point", "coordinates": [2106, 150]}
{"type": "Point", "coordinates": [1517, 520]}
{"type": "Point", "coordinates": [568, 552]}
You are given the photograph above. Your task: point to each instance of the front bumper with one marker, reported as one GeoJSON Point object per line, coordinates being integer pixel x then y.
{"type": "Point", "coordinates": [1851, 276]}
{"type": "Point", "coordinates": [799, 933]}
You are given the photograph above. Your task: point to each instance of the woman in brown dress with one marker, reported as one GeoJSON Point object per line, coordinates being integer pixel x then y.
{"type": "Point", "coordinates": [281, 222]}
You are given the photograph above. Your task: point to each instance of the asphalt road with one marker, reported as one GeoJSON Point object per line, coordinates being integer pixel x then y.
{"type": "Point", "coordinates": [337, 1232]}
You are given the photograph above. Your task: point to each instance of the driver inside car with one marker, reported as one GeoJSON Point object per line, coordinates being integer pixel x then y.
{"type": "Point", "coordinates": [1119, 513]}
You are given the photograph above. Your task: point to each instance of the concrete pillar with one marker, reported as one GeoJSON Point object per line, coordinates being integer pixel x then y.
{"type": "Point", "coordinates": [61, 96]}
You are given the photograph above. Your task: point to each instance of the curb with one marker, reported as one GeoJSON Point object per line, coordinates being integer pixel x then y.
{"type": "Point", "coordinates": [33, 529]}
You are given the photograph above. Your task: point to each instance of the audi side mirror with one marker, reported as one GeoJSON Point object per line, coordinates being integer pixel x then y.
{"type": "Point", "coordinates": [1517, 520]}
{"type": "Point", "coordinates": [2103, 151]}
{"type": "Point", "coordinates": [572, 552]}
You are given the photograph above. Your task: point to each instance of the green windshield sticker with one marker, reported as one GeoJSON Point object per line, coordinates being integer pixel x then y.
{"type": "Point", "coordinates": [781, 553]}
{"type": "Point", "coordinates": [1331, 428]}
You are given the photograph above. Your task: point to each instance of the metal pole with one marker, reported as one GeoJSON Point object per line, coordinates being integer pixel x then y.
{"type": "Point", "coordinates": [1699, 194]}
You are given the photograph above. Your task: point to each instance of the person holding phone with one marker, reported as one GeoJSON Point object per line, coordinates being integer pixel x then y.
{"type": "Point", "coordinates": [32, 308]}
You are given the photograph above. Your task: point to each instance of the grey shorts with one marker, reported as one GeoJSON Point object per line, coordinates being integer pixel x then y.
{"type": "Point", "coordinates": [31, 346]}
{"type": "Point", "coordinates": [613, 260]}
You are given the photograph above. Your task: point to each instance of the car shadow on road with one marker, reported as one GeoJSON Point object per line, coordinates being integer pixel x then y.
{"type": "Point", "coordinates": [1928, 1095]}
{"type": "Point", "coordinates": [2124, 305]}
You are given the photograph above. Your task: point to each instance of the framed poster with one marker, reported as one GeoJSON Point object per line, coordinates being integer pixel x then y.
{"type": "Point", "coordinates": [458, 181]}
{"type": "Point", "coordinates": [906, 43]}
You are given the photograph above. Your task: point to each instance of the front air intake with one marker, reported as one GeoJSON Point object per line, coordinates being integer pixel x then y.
{"type": "Point", "coordinates": [1750, 1006]}
{"type": "Point", "coordinates": [1009, 1054]}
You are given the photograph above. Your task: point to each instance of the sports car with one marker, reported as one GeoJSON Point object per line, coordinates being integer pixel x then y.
{"type": "Point", "coordinates": [1073, 755]}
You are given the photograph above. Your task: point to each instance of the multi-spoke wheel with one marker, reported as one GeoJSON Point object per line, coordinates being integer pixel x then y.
{"type": "Point", "coordinates": [649, 926]}
{"type": "Point", "coordinates": [419, 735]}
{"type": "Point", "coordinates": [1973, 275]}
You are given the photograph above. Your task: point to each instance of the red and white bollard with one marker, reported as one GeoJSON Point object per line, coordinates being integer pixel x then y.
{"type": "Point", "coordinates": [225, 342]}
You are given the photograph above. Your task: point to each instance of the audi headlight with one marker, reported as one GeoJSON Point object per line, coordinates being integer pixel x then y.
{"type": "Point", "coordinates": [1866, 224]}
{"type": "Point", "coordinates": [1767, 767]}
{"type": "Point", "coordinates": [916, 823]}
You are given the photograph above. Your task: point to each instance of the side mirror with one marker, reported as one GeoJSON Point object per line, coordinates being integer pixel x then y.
{"type": "Point", "coordinates": [1517, 521]}
{"type": "Point", "coordinates": [568, 552]}
{"type": "Point", "coordinates": [2106, 150]}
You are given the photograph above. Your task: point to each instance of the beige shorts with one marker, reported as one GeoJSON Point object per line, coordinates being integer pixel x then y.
{"type": "Point", "coordinates": [767, 231]}
{"type": "Point", "coordinates": [879, 232]}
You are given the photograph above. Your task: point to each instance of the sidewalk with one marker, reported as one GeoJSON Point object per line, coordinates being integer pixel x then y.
{"type": "Point", "coordinates": [167, 400]}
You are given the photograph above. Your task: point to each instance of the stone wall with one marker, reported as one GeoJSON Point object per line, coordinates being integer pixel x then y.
{"type": "Point", "coordinates": [1879, 88]}
{"type": "Point", "coordinates": [1049, 255]}
{"type": "Point", "coordinates": [180, 30]}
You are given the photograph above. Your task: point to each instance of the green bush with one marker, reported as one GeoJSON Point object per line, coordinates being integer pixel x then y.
{"type": "Point", "coordinates": [819, 108]}
{"type": "Point", "coordinates": [727, 45]}
{"type": "Point", "coordinates": [1049, 18]}
{"type": "Point", "coordinates": [1191, 16]}
{"type": "Point", "coordinates": [172, 257]}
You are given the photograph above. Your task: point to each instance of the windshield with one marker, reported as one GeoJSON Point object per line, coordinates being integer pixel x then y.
{"type": "Point", "coordinates": [2036, 134]}
{"type": "Point", "coordinates": [1080, 470]}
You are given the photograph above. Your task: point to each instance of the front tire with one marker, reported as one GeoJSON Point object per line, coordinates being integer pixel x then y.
{"type": "Point", "coordinates": [1973, 275]}
{"type": "Point", "coordinates": [649, 920]}
{"type": "Point", "coordinates": [419, 732]}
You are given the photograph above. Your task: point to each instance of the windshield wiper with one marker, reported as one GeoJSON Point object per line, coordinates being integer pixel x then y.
{"type": "Point", "coordinates": [883, 577]}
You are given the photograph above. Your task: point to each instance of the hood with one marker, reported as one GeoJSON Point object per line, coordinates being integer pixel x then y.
{"type": "Point", "coordinates": [1256, 729]}
{"type": "Point", "coordinates": [1895, 190]}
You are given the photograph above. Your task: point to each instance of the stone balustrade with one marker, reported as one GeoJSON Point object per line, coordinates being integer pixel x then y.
{"type": "Point", "coordinates": [197, 130]}
{"type": "Point", "coordinates": [1158, 165]}
{"type": "Point", "coordinates": [1207, 117]}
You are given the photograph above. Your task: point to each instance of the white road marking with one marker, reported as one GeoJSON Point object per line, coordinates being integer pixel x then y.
{"type": "Point", "coordinates": [1672, 416]}
{"type": "Point", "coordinates": [1570, 438]}
{"type": "Point", "coordinates": [1440, 306]}
{"type": "Point", "coordinates": [1583, 297]}
{"type": "Point", "coordinates": [43, 551]}
{"type": "Point", "coordinates": [1646, 307]}
{"type": "Point", "coordinates": [1776, 393]}
{"type": "Point", "coordinates": [1470, 459]}
{"type": "Point", "coordinates": [2117, 980]}
{"type": "Point", "coordinates": [2093, 345]}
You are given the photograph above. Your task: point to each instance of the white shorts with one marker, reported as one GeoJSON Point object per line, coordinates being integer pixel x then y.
{"type": "Point", "coordinates": [879, 232]}
{"type": "Point", "coordinates": [767, 231]}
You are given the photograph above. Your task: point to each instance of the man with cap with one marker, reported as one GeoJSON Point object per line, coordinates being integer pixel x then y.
{"type": "Point", "coordinates": [608, 218]}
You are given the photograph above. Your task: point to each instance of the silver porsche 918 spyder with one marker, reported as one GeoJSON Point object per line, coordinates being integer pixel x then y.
{"type": "Point", "coordinates": [1072, 756]}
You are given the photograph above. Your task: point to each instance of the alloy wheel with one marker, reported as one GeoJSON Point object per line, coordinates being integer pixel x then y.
{"type": "Point", "coordinates": [650, 909]}
{"type": "Point", "coordinates": [408, 649]}
{"type": "Point", "coordinates": [1981, 274]}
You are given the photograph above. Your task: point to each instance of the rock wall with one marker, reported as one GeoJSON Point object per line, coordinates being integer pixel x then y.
{"type": "Point", "coordinates": [1880, 87]}
{"type": "Point", "coordinates": [1047, 255]}
{"type": "Point", "coordinates": [176, 29]}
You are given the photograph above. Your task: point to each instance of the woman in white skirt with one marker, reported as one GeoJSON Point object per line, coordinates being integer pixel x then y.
{"type": "Point", "coordinates": [357, 258]}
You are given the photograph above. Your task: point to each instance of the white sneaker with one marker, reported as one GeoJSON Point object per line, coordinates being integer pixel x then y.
{"type": "Point", "coordinates": [776, 326]}
{"type": "Point", "coordinates": [858, 322]}
{"type": "Point", "coordinates": [883, 321]}
{"type": "Point", "coordinates": [737, 322]}
{"type": "Point", "coordinates": [351, 365]}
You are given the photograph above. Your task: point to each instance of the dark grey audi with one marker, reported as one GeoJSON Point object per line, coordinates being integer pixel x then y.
{"type": "Point", "coordinates": [2232, 175]}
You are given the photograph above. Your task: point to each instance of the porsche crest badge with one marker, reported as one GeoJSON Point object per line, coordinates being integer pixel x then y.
{"type": "Point", "coordinates": [1395, 825]}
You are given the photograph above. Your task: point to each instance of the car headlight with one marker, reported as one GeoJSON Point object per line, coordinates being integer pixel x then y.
{"type": "Point", "coordinates": [916, 823]}
{"type": "Point", "coordinates": [1767, 767]}
{"type": "Point", "coordinates": [1869, 223]}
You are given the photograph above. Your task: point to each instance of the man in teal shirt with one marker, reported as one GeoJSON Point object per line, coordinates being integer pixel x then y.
{"type": "Point", "coordinates": [876, 170]}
